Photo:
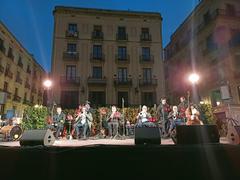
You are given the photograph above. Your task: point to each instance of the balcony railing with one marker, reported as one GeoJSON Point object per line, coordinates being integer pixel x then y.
{"type": "Point", "coordinates": [97, 81]}
{"type": "Point", "coordinates": [9, 74]}
{"type": "Point", "coordinates": [145, 37]}
{"type": "Point", "coordinates": [72, 34]}
{"type": "Point", "coordinates": [19, 80]}
{"type": "Point", "coordinates": [97, 35]}
{"type": "Point", "coordinates": [64, 80]}
{"type": "Point", "coordinates": [74, 56]}
{"type": "Point", "coordinates": [1, 69]}
{"type": "Point", "coordinates": [27, 85]}
{"type": "Point", "coordinates": [122, 36]}
{"type": "Point", "coordinates": [146, 59]}
{"type": "Point", "coordinates": [122, 81]}
{"type": "Point", "coordinates": [17, 98]}
{"type": "Point", "coordinates": [122, 58]}
{"type": "Point", "coordinates": [97, 57]}
{"type": "Point", "coordinates": [3, 49]}
{"type": "Point", "coordinates": [148, 82]}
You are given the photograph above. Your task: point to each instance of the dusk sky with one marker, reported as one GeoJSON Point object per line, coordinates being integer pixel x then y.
{"type": "Point", "coordinates": [31, 21]}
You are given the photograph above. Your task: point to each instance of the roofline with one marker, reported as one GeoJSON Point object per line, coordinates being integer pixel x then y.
{"type": "Point", "coordinates": [20, 44]}
{"type": "Point", "coordinates": [107, 11]}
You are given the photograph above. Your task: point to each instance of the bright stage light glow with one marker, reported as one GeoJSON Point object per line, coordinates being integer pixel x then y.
{"type": "Point", "coordinates": [47, 83]}
{"type": "Point", "coordinates": [193, 78]}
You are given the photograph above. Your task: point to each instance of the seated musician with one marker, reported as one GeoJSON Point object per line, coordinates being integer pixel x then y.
{"type": "Point", "coordinates": [82, 122]}
{"type": "Point", "coordinates": [113, 122]}
{"type": "Point", "coordinates": [58, 120]}
{"type": "Point", "coordinates": [143, 118]}
{"type": "Point", "coordinates": [175, 119]}
{"type": "Point", "coordinates": [192, 115]}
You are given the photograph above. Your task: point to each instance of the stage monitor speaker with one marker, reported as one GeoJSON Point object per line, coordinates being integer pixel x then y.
{"type": "Point", "coordinates": [233, 135]}
{"type": "Point", "coordinates": [37, 137]}
{"type": "Point", "coordinates": [147, 135]}
{"type": "Point", "coordinates": [197, 134]}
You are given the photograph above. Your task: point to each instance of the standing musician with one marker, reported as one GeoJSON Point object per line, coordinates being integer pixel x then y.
{"type": "Point", "coordinates": [192, 115]}
{"type": "Point", "coordinates": [175, 118]}
{"type": "Point", "coordinates": [143, 118]}
{"type": "Point", "coordinates": [113, 122]}
{"type": "Point", "coordinates": [163, 111]}
{"type": "Point", "coordinates": [182, 107]}
{"type": "Point", "coordinates": [82, 121]}
{"type": "Point", "coordinates": [58, 120]}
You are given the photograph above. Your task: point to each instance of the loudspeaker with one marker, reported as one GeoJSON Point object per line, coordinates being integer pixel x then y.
{"type": "Point", "coordinates": [197, 134]}
{"type": "Point", "coordinates": [147, 135]}
{"type": "Point", "coordinates": [233, 134]}
{"type": "Point", "coordinates": [37, 137]}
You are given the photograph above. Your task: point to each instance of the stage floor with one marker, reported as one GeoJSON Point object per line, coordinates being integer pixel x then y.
{"type": "Point", "coordinates": [90, 142]}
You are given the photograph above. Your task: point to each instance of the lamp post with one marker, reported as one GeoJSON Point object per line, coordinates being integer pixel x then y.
{"type": "Point", "coordinates": [194, 78]}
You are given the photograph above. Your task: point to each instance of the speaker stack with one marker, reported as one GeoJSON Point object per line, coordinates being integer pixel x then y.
{"type": "Point", "coordinates": [147, 135]}
{"type": "Point", "coordinates": [197, 134]}
{"type": "Point", "coordinates": [233, 134]}
{"type": "Point", "coordinates": [37, 137]}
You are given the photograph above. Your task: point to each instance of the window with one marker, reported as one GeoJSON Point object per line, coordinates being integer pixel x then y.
{"type": "Point", "coordinates": [2, 46]}
{"type": "Point", "coordinates": [10, 53]}
{"type": "Point", "coordinates": [215, 97]}
{"type": "Point", "coordinates": [97, 32]}
{"type": "Point", "coordinates": [146, 53]}
{"type": "Point", "coordinates": [230, 10]}
{"type": "Point", "coordinates": [238, 89]}
{"type": "Point", "coordinates": [71, 48]}
{"type": "Point", "coordinates": [210, 43]}
{"type": "Point", "coordinates": [5, 86]}
{"type": "Point", "coordinates": [121, 35]}
{"type": "Point", "coordinates": [20, 64]}
{"type": "Point", "coordinates": [147, 74]}
{"type": "Point", "coordinates": [122, 74]}
{"type": "Point", "coordinates": [122, 98]}
{"type": "Point", "coordinates": [69, 99]}
{"type": "Point", "coordinates": [72, 28]}
{"type": "Point", "coordinates": [16, 92]}
{"type": "Point", "coordinates": [97, 51]}
{"type": "Point", "coordinates": [25, 96]}
{"type": "Point", "coordinates": [70, 72]}
{"type": "Point", "coordinates": [145, 30]}
{"type": "Point", "coordinates": [97, 28]}
{"type": "Point", "coordinates": [206, 17]}
{"type": "Point", "coordinates": [97, 72]}
{"type": "Point", "coordinates": [32, 99]}
{"type": "Point", "coordinates": [149, 98]}
{"type": "Point", "coordinates": [122, 53]}
{"type": "Point", "coordinates": [145, 34]}
{"type": "Point", "coordinates": [97, 98]}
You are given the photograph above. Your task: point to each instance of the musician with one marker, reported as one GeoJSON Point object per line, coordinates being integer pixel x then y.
{"type": "Point", "coordinates": [113, 122]}
{"type": "Point", "coordinates": [143, 118]}
{"type": "Point", "coordinates": [193, 115]}
{"type": "Point", "coordinates": [175, 118]}
{"type": "Point", "coordinates": [82, 121]}
{"type": "Point", "coordinates": [163, 111]}
{"type": "Point", "coordinates": [182, 107]}
{"type": "Point", "coordinates": [58, 120]}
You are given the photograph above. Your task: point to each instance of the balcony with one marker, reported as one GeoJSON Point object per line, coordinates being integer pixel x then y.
{"type": "Point", "coordinates": [64, 80]}
{"type": "Point", "coordinates": [97, 35]}
{"type": "Point", "coordinates": [145, 37]}
{"type": "Point", "coordinates": [121, 36]}
{"type": "Point", "coordinates": [19, 80]}
{"type": "Point", "coordinates": [147, 82]}
{"type": "Point", "coordinates": [122, 81]}
{"type": "Point", "coordinates": [9, 74]}
{"type": "Point", "coordinates": [146, 59]}
{"type": "Point", "coordinates": [27, 85]}
{"type": "Point", "coordinates": [122, 58]}
{"type": "Point", "coordinates": [72, 34]}
{"type": "Point", "coordinates": [71, 56]}
{"type": "Point", "coordinates": [97, 57]}
{"type": "Point", "coordinates": [17, 98]}
{"type": "Point", "coordinates": [1, 69]}
{"type": "Point", "coordinates": [3, 49]}
{"type": "Point", "coordinates": [97, 81]}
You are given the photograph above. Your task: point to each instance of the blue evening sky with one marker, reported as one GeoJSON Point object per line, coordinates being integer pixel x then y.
{"type": "Point", "coordinates": [31, 21]}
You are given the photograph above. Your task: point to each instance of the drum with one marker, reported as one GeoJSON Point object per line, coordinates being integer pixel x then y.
{"type": "Point", "coordinates": [11, 132]}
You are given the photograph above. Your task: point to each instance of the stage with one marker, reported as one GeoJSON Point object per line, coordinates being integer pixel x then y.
{"type": "Point", "coordinates": [119, 159]}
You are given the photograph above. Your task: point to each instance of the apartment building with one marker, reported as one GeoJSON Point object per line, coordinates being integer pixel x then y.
{"type": "Point", "coordinates": [107, 57]}
{"type": "Point", "coordinates": [207, 42]}
{"type": "Point", "coordinates": [20, 75]}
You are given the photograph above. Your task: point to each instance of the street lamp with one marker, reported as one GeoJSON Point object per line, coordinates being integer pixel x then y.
{"type": "Point", "coordinates": [194, 78]}
{"type": "Point", "coordinates": [47, 84]}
